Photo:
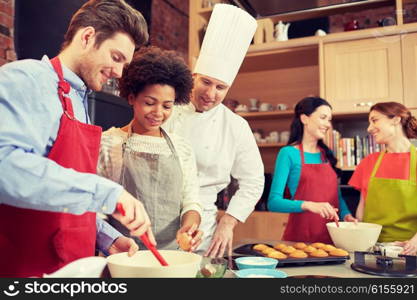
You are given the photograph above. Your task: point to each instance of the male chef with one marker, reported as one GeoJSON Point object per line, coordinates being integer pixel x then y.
{"type": "Point", "coordinates": [223, 141]}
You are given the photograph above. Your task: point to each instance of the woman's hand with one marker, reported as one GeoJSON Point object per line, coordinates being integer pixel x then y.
{"type": "Point", "coordinates": [350, 218]}
{"type": "Point", "coordinates": [194, 234]}
{"type": "Point", "coordinates": [324, 209]}
{"type": "Point", "coordinates": [410, 246]}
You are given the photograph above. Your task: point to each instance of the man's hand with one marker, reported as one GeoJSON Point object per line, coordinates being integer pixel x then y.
{"type": "Point", "coordinates": [123, 244]}
{"type": "Point", "coordinates": [135, 217]}
{"type": "Point", "coordinates": [223, 237]}
{"type": "Point", "coordinates": [410, 246]}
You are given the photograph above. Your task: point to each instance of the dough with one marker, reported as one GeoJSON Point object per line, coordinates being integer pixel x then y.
{"type": "Point", "coordinates": [329, 248]}
{"type": "Point", "coordinates": [277, 255]}
{"type": "Point", "coordinates": [260, 247]}
{"type": "Point", "coordinates": [318, 245]}
{"type": "Point", "coordinates": [288, 249]}
{"type": "Point", "coordinates": [309, 249]}
{"type": "Point", "coordinates": [280, 246]}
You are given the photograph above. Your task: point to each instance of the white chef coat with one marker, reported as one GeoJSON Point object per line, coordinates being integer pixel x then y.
{"type": "Point", "coordinates": [224, 145]}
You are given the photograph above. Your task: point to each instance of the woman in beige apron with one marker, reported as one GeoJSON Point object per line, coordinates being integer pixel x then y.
{"type": "Point", "coordinates": [387, 180]}
{"type": "Point", "coordinates": [158, 169]}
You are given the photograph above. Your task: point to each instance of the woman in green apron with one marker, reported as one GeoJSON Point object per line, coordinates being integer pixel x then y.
{"type": "Point", "coordinates": [387, 179]}
{"type": "Point", "coordinates": [157, 168]}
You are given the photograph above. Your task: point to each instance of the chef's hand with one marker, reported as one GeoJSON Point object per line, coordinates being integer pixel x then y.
{"type": "Point", "coordinates": [324, 209]}
{"type": "Point", "coordinates": [135, 217]}
{"type": "Point", "coordinates": [350, 218]}
{"type": "Point", "coordinates": [123, 244]}
{"type": "Point", "coordinates": [195, 234]}
{"type": "Point", "coordinates": [223, 237]}
{"type": "Point", "coordinates": [410, 246]}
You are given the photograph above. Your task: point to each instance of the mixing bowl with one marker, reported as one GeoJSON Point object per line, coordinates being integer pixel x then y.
{"type": "Point", "coordinates": [144, 264]}
{"type": "Point", "coordinates": [354, 237]}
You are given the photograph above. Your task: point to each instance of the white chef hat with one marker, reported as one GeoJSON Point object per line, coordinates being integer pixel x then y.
{"type": "Point", "coordinates": [227, 39]}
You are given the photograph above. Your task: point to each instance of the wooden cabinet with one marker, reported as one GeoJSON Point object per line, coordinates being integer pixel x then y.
{"type": "Point", "coordinates": [360, 73]}
{"type": "Point", "coordinates": [352, 70]}
{"type": "Point", "coordinates": [409, 64]}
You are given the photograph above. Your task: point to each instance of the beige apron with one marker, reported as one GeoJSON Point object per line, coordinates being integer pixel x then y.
{"type": "Point", "coordinates": [393, 203]}
{"type": "Point", "coordinates": [157, 181]}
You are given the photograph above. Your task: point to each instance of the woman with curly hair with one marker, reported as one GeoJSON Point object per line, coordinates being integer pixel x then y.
{"type": "Point", "coordinates": [387, 179]}
{"type": "Point", "coordinates": [157, 168]}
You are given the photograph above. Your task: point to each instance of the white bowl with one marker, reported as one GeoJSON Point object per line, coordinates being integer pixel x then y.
{"type": "Point", "coordinates": [144, 265]}
{"type": "Point", "coordinates": [87, 267]}
{"type": "Point", "coordinates": [354, 237]}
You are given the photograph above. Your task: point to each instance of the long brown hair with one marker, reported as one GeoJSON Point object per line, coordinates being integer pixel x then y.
{"type": "Point", "coordinates": [108, 17]}
{"type": "Point", "coordinates": [395, 109]}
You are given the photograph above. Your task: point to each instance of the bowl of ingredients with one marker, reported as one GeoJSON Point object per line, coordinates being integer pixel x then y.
{"type": "Point", "coordinates": [143, 264]}
{"type": "Point", "coordinates": [354, 236]}
{"type": "Point", "coordinates": [260, 273]}
{"type": "Point", "coordinates": [256, 262]}
{"type": "Point", "coordinates": [212, 267]}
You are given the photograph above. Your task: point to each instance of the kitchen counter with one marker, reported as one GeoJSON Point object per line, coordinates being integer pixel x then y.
{"type": "Point", "coordinates": [336, 270]}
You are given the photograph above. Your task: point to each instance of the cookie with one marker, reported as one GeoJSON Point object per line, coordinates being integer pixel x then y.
{"type": "Point", "coordinates": [339, 252]}
{"type": "Point", "coordinates": [280, 246]}
{"type": "Point", "coordinates": [268, 250]}
{"type": "Point", "coordinates": [277, 255]}
{"type": "Point", "coordinates": [298, 254]}
{"type": "Point", "coordinates": [329, 248]}
{"type": "Point", "coordinates": [309, 249]}
{"type": "Point", "coordinates": [319, 253]}
{"type": "Point", "coordinates": [288, 249]}
{"type": "Point", "coordinates": [260, 247]}
{"type": "Point", "coordinates": [299, 245]}
{"type": "Point", "coordinates": [318, 245]}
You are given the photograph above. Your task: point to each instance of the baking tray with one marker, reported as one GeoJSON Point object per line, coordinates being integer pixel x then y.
{"type": "Point", "coordinates": [247, 249]}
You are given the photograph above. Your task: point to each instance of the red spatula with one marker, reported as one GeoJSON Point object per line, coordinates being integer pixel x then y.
{"type": "Point", "coordinates": [145, 240]}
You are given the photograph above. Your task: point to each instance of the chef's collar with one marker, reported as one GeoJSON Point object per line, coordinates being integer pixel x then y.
{"type": "Point", "coordinates": [191, 108]}
{"type": "Point", "coordinates": [73, 79]}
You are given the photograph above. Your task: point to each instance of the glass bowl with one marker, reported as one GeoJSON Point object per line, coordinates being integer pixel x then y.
{"type": "Point", "coordinates": [211, 267]}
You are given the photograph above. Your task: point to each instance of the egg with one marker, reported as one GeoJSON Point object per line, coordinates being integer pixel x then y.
{"type": "Point", "coordinates": [184, 241]}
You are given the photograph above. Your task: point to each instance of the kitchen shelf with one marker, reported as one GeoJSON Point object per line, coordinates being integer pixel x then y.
{"type": "Point", "coordinates": [271, 145]}
{"type": "Point", "coordinates": [266, 115]}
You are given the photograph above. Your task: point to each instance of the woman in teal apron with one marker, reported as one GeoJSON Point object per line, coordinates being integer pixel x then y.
{"type": "Point", "coordinates": [387, 180]}
{"type": "Point", "coordinates": [157, 168]}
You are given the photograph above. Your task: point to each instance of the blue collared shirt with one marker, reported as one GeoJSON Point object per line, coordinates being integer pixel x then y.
{"type": "Point", "coordinates": [30, 113]}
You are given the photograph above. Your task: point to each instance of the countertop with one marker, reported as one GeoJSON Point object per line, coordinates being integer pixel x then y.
{"type": "Point", "coordinates": [336, 270]}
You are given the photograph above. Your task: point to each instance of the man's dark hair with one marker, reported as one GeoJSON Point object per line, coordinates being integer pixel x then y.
{"type": "Point", "coordinates": [152, 65]}
{"type": "Point", "coordinates": [108, 17]}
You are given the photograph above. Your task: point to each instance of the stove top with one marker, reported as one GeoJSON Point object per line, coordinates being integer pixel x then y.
{"type": "Point", "coordinates": [375, 263]}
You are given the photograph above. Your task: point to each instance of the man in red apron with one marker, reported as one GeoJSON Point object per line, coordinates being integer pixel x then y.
{"type": "Point", "coordinates": [49, 223]}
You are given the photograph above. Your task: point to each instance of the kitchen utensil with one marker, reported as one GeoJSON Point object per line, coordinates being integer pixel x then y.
{"type": "Point", "coordinates": [247, 249]}
{"type": "Point", "coordinates": [258, 262]}
{"type": "Point", "coordinates": [260, 273]}
{"type": "Point", "coordinates": [354, 237]}
{"type": "Point", "coordinates": [212, 267]}
{"type": "Point", "coordinates": [145, 239]}
{"type": "Point", "coordinates": [87, 267]}
{"type": "Point", "coordinates": [144, 265]}
{"type": "Point", "coordinates": [376, 264]}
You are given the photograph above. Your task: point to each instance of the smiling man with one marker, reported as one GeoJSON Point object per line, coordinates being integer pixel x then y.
{"type": "Point", "coordinates": [49, 193]}
{"type": "Point", "coordinates": [223, 141]}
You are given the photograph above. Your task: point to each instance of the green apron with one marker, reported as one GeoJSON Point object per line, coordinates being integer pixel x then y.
{"type": "Point", "coordinates": [393, 203]}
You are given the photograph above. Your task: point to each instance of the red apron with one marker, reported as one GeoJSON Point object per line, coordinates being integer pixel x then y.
{"type": "Point", "coordinates": [318, 183]}
{"type": "Point", "coordinates": [35, 242]}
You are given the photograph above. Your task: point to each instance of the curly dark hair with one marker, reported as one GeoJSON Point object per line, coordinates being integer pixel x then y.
{"type": "Point", "coordinates": [152, 65]}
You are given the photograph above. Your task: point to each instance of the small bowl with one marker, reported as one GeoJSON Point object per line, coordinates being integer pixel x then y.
{"type": "Point", "coordinates": [256, 262]}
{"type": "Point", "coordinates": [260, 273]}
{"type": "Point", "coordinates": [390, 250]}
{"type": "Point", "coordinates": [212, 267]}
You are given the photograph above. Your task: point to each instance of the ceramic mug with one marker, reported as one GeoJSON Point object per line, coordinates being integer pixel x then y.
{"type": "Point", "coordinates": [284, 136]}
{"type": "Point", "coordinates": [241, 108]}
{"type": "Point", "coordinates": [274, 136]}
{"type": "Point", "coordinates": [282, 106]}
{"type": "Point", "coordinates": [265, 106]}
